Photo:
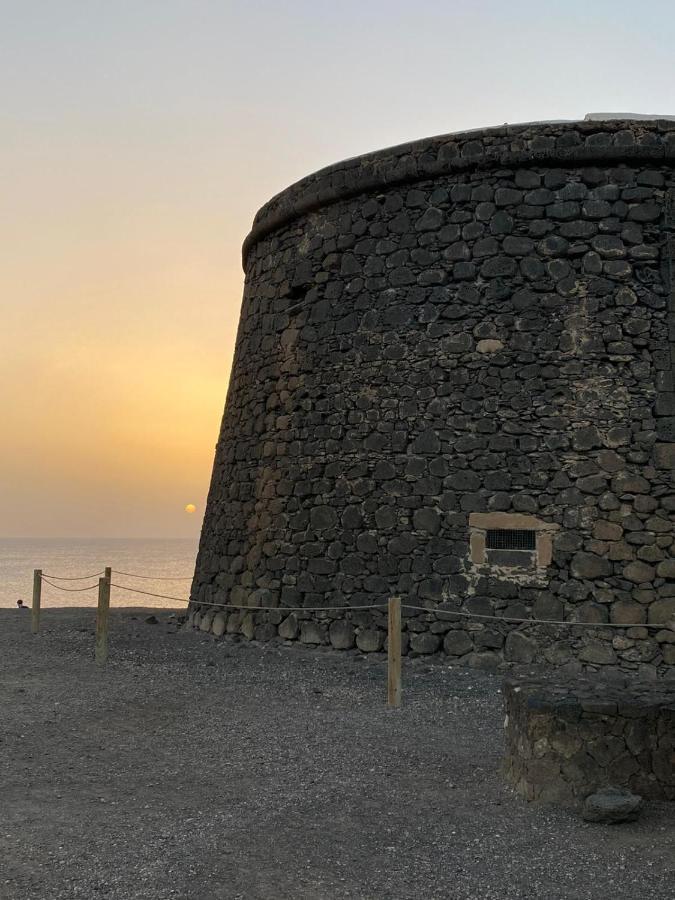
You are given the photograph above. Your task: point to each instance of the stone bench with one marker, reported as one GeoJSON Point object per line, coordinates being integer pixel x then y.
{"type": "Point", "coordinates": [565, 741]}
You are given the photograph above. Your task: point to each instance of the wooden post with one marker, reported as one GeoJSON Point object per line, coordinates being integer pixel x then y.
{"type": "Point", "coordinates": [101, 651]}
{"type": "Point", "coordinates": [394, 653]}
{"type": "Point", "coordinates": [37, 596]}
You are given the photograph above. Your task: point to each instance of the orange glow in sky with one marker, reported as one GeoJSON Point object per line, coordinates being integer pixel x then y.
{"type": "Point", "coordinates": [139, 139]}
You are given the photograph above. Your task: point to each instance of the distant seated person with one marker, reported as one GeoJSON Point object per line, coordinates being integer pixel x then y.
{"type": "Point", "coordinates": [21, 604]}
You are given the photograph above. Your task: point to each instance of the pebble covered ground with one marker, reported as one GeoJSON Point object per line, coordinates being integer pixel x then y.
{"type": "Point", "coordinates": [200, 769]}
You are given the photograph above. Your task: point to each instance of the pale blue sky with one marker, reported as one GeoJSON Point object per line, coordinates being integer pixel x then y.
{"type": "Point", "coordinates": [138, 139]}
{"type": "Point", "coordinates": [278, 88]}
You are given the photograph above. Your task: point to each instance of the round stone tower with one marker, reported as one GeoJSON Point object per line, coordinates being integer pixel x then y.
{"type": "Point", "coordinates": [453, 382]}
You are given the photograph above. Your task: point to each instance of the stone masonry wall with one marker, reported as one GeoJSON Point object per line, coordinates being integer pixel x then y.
{"type": "Point", "coordinates": [465, 333]}
{"type": "Point", "coordinates": [565, 741]}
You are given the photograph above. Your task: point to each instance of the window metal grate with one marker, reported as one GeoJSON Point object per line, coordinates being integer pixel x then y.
{"type": "Point", "coordinates": [510, 539]}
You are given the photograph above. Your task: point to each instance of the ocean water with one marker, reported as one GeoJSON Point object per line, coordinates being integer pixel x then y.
{"type": "Point", "coordinates": [167, 565]}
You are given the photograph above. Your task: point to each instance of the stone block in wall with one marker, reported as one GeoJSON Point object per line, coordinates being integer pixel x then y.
{"type": "Point", "coordinates": [662, 611]}
{"type": "Point", "coordinates": [639, 572]}
{"type": "Point", "coordinates": [341, 634]}
{"type": "Point", "coordinates": [547, 606]}
{"type": "Point", "coordinates": [627, 612]}
{"type": "Point", "coordinates": [457, 643]}
{"type": "Point", "coordinates": [519, 648]}
{"type": "Point", "coordinates": [418, 625]}
{"type": "Point", "coordinates": [589, 565]}
{"type": "Point", "coordinates": [664, 456]}
{"type": "Point", "coordinates": [488, 639]}
{"type": "Point", "coordinates": [265, 632]}
{"type": "Point", "coordinates": [234, 622]}
{"type": "Point", "coordinates": [288, 630]}
{"type": "Point", "coordinates": [666, 569]}
{"type": "Point", "coordinates": [369, 640]}
{"type": "Point", "coordinates": [247, 627]}
{"type": "Point", "coordinates": [312, 633]}
{"type": "Point", "coordinates": [558, 654]}
{"type": "Point", "coordinates": [425, 642]}
{"type": "Point", "coordinates": [593, 613]}
{"type": "Point", "coordinates": [206, 620]}
{"type": "Point", "coordinates": [219, 624]}
{"type": "Point", "coordinates": [598, 653]}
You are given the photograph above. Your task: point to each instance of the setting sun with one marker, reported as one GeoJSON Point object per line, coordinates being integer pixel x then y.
{"type": "Point", "coordinates": [190, 508]}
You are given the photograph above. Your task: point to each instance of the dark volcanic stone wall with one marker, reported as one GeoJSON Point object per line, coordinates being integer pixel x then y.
{"type": "Point", "coordinates": [565, 741]}
{"type": "Point", "coordinates": [469, 325]}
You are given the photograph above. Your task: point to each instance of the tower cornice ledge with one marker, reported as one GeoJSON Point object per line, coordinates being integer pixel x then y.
{"type": "Point", "coordinates": [577, 142]}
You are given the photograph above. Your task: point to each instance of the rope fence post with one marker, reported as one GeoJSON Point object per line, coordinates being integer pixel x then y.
{"type": "Point", "coordinates": [394, 652]}
{"type": "Point", "coordinates": [37, 596]}
{"type": "Point", "coordinates": [101, 648]}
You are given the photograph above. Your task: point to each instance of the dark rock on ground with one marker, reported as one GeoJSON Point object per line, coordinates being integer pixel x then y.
{"type": "Point", "coordinates": [611, 805]}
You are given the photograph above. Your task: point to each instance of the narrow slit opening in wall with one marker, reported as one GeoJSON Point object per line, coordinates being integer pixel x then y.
{"type": "Point", "coordinates": [510, 539]}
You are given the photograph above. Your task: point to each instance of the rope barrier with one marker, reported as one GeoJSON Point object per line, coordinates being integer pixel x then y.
{"type": "Point", "coordinates": [406, 606]}
{"type": "Point", "coordinates": [435, 612]}
{"type": "Point", "coordinates": [124, 587]}
{"type": "Point", "coordinates": [290, 608]}
{"type": "Point", "coordinates": [59, 587]}
{"type": "Point", "coordinates": [154, 577]}
{"type": "Point", "coordinates": [117, 572]}
{"type": "Point", "coordinates": [72, 577]}
{"type": "Point", "coordinates": [252, 608]}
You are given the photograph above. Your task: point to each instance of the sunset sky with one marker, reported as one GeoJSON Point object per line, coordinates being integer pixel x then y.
{"type": "Point", "coordinates": [139, 137]}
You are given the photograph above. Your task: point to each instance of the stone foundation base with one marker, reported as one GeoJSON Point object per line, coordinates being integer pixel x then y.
{"type": "Point", "coordinates": [566, 741]}
{"type": "Point", "coordinates": [488, 645]}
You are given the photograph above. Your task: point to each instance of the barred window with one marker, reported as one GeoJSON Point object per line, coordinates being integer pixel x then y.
{"type": "Point", "coordinates": [510, 539]}
{"type": "Point", "coordinates": [505, 539]}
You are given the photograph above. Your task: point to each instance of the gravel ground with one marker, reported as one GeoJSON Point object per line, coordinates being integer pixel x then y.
{"type": "Point", "coordinates": [190, 768]}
